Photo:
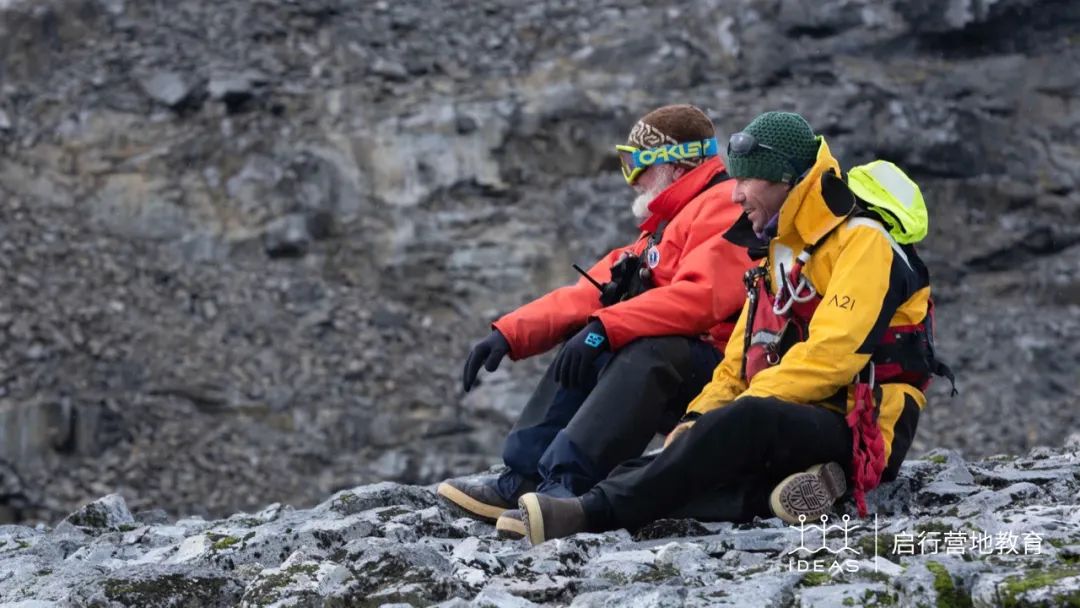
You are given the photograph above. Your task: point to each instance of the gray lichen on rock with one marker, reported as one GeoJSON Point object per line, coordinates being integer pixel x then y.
{"type": "Point", "coordinates": [390, 543]}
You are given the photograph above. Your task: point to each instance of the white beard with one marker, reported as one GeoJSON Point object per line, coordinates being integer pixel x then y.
{"type": "Point", "coordinates": [640, 206]}
{"type": "Point", "coordinates": [661, 181]}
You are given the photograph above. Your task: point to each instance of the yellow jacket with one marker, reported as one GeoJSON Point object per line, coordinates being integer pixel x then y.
{"type": "Point", "coordinates": [867, 282]}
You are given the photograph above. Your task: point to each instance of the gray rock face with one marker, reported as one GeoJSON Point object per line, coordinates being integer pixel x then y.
{"type": "Point", "coordinates": [168, 88]}
{"type": "Point", "coordinates": [264, 234]}
{"type": "Point", "coordinates": [108, 512]}
{"type": "Point", "coordinates": [235, 90]}
{"type": "Point", "coordinates": [390, 544]}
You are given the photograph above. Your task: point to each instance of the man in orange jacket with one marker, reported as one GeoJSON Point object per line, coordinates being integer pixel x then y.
{"type": "Point", "coordinates": [642, 347]}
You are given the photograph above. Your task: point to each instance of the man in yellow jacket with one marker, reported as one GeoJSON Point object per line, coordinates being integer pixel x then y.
{"type": "Point", "coordinates": [823, 377]}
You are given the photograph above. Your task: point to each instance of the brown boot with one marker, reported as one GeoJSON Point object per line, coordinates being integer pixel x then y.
{"type": "Point", "coordinates": [477, 499]}
{"type": "Point", "coordinates": [509, 526]}
{"type": "Point", "coordinates": [545, 517]}
{"type": "Point", "coordinates": [811, 493]}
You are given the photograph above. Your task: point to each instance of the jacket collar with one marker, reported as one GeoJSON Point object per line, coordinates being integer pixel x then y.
{"type": "Point", "coordinates": [742, 234]}
{"type": "Point", "coordinates": [819, 202]}
{"type": "Point", "coordinates": [668, 203]}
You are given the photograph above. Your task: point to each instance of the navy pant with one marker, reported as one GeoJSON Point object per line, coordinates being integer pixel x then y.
{"type": "Point", "coordinates": [568, 440]}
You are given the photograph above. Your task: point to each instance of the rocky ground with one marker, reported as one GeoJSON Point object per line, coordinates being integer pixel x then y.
{"type": "Point", "coordinates": [1003, 531]}
{"type": "Point", "coordinates": [245, 245]}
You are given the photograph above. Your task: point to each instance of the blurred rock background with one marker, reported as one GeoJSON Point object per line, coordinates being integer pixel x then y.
{"type": "Point", "coordinates": [246, 245]}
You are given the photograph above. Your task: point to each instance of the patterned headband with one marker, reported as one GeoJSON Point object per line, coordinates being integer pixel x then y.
{"type": "Point", "coordinates": [644, 135]}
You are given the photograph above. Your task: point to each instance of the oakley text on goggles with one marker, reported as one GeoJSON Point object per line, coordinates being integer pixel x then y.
{"type": "Point", "coordinates": [634, 161]}
{"type": "Point", "coordinates": [743, 143]}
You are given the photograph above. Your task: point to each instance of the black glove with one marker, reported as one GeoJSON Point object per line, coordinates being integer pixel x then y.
{"type": "Point", "coordinates": [487, 352]}
{"type": "Point", "coordinates": [574, 363]}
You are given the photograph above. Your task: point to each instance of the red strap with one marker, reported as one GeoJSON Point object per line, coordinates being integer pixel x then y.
{"type": "Point", "coordinates": [796, 272]}
{"type": "Point", "coordinates": [867, 445]}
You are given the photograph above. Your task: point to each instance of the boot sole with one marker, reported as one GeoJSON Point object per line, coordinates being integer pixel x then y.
{"type": "Point", "coordinates": [510, 528]}
{"type": "Point", "coordinates": [469, 505]}
{"type": "Point", "coordinates": [810, 494]}
{"type": "Point", "coordinates": [531, 518]}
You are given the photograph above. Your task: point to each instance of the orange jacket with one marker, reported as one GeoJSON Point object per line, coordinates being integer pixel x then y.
{"type": "Point", "coordinates": [697, 281]}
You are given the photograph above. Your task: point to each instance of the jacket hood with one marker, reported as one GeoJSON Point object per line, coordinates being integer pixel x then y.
{"type": "Point", "coordinates": [819, 202]}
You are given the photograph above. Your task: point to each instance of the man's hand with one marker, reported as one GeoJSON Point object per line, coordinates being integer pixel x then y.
{"type": "Point", "coordinates": [574, 363]}
{"type": "Point", "coordinates": [487, 352]}
{"type": "Point", "coordinates": [684, 425]}
{"type": "Point", "coordinates": [681, 428]}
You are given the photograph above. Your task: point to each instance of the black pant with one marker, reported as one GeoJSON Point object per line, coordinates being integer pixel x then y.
{"type": "Point", "coordinates": [568, 440]}
{"type": "Point", "coordinates": [724, 467]}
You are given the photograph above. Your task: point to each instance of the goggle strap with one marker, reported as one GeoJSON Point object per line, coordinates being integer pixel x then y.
{"type": "Point", "coordinates": [674, 153]}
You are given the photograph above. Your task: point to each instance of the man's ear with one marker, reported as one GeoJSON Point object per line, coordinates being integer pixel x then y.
{"type": "Point", "coordinates": [679, 171]}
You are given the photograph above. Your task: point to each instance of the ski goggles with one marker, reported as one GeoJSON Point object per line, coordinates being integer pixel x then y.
{"type": "Point", "coordinates": [635, 160]}
{"type": "Point", "coordinates": [743, 143]}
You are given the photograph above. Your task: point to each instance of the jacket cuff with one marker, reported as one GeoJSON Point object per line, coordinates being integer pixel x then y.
{"type": "Point", "coordinates": [614, 333]}
{"type": "Point", "coordinates": [509, 339]}
{"type": "Point", "coordinates": [705, 407]}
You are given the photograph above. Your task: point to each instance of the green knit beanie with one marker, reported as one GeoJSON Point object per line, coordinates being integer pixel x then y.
{"type": "Point", "coordinates": [789, 134]}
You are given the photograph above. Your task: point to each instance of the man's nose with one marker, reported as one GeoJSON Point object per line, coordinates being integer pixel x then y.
{"type": "Point", "coordinates": [737, 196]}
